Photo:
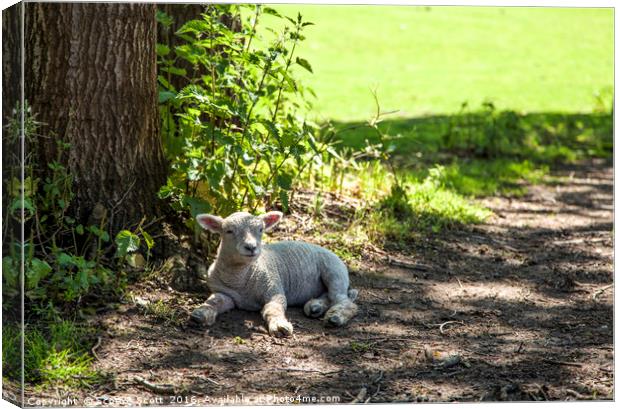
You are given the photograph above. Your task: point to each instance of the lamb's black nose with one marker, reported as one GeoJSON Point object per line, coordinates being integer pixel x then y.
{"type": "Point", "coordinates": [250, 247]}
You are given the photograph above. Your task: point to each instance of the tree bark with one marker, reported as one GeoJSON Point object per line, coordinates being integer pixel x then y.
{"type": "Point", "coordinates": [11, 97]}
{"type": "Point", "coordinates": [91, 80]}
{"type": "Point", "coordinates": [11, 61]}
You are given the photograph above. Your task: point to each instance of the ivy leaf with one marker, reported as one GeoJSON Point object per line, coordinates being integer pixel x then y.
{"type": "Point", "coordinates": [126, 242]}
{"type": "Point", "coordinates": [304, 63]}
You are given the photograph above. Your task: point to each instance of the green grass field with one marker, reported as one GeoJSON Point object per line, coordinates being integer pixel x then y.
{"type": "Point", "coordinates": [428, 60]}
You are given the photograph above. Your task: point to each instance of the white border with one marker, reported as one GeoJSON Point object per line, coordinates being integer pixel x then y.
{"type": "Point", "coordinates": [509, 3]}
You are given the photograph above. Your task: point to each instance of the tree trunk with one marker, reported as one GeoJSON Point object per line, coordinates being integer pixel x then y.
{"type": "Point", "coordinates": [11, 97]}
{"type": "Point", "coordinates": [91, 80]}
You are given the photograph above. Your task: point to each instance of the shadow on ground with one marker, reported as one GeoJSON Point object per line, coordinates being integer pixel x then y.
{"type": "Point", "coordinates": [518, 308]}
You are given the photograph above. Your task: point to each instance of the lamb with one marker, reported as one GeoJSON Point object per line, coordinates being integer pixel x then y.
{"type": "Point", "coordinates": [251, 276]}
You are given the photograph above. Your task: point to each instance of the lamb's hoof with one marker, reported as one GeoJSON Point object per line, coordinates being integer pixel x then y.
{"type": "Point", "coordinates": [203, 316]}
{"type": "Point", "coordinates": [336, 321]}
{"type": "Point", "coordinates": [315, 308]}
{"type": "Point", "coordinates": [280, 327]}
{"type": "Point", "coordinates": [341, 313]}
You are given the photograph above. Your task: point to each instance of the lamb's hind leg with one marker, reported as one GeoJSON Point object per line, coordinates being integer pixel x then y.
{"type": "Point", "coordinates": [316, 307]}
{"type": "Point", "coordinates": [341, 298]}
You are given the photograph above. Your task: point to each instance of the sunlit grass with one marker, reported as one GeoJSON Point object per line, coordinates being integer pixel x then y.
{"type": "Point", "coordinates": [55, 356]}
{"type": "Point", "coordinates": [428, 60]}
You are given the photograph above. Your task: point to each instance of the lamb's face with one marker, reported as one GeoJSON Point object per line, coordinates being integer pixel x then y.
{"type": "Point", "coordinates": [241, 233]}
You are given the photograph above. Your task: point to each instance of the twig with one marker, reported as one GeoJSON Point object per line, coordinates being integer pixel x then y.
{"type": "Point", "coordinates": [94, 348]}
{"type": "Point", "coordinates": [601, 291]}
{"type": "Point", "coordinates": [448, 322]}
{"type": "Point", "coordinates": [518, 351]}
{"type": "Point", "coordinates": [578, 241]}
{"type": "Point", "coordinates": [360, 395]}
{"type": "Point", "coordinates": [574, 394]}
{"type": "Point", "coordinates": [542, 391]}
{"type": "Point", "coordinates": [122, 199]}
{"type": "Point", "coordinates": [291, 370]}
{"type": "Point", "coordinates": [161, 389]}
{"type": "Point", "coordinates": [384, 339]}
{"type": "Point", "coordinates": [149, 224]}
{"type": "Point", "coordinates": [373, 395]}
{"type": "Point", "coordinates": [551, 361]}
{"type": "Point", "coordinates": [408, 265]}
{"type": "Point", "coordinates": [205, 378]}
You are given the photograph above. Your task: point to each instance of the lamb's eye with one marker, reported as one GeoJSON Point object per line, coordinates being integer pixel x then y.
{"type": "Point", "coordinates": [229, 232]}
{"type": "Point", "coordinates": [260, 230]}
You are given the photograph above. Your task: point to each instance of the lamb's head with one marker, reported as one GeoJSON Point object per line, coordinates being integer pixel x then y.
{"type": "Point", "coordinates": [241, 233]}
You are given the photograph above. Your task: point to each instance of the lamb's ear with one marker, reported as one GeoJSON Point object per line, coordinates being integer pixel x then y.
{"type": "Point", "coordinates": [271, 219]}
{"type": "Point", "coordinates": [210, 222]}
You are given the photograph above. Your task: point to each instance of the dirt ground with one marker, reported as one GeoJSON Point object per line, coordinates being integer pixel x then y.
{"type": "Point", "coordinates": [518, 308]}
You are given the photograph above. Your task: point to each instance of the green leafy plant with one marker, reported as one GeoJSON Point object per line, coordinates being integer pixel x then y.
{"type": "Point", "coordinates": [232, 134]}
{"type": "Point", "coordinates": [64, 260]}
{"type": "Point", "coordinates": [54, 356]}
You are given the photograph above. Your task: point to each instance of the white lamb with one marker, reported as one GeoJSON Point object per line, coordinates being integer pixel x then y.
{"type": "Point", "coordinates": [252, 276]}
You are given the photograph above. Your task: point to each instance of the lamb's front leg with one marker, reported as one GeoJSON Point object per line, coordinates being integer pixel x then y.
{"type": "Point", "coordinates": [216, 304]}
{"type": "Point", "coordinates": [273, 314]}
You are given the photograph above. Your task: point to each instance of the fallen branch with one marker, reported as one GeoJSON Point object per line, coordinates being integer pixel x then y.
{"type": "Point", "coordinates": [579, 241]}
{"type": "Point", "coordinates": [291, 370]}
{"type": "Point", "coordinates": [204, 378]}
{"type": "Point", "coordinates": [160, 389]}
{"type": "Point", "coordinates": [408, 265]}
{"type": "Point", "coordinates": [552, 361]}
{"type": "Point", "coordinates": [575, 394]}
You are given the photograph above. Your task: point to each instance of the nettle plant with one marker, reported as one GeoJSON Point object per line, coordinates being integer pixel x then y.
{"type": "Point", "coordinates": [232, 134]}
{"type": "Point", "coordinates": [63, 259]}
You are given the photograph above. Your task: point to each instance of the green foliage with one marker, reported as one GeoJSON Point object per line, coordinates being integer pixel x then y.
{"type": "Point", "coordinates": [232, 134]}
{"type": "Point", "coordinates": [64, 260]}
{"type": "Point", "coordinates": [360, 347]}
{"type": "Point", "coordinates": [422, 206]}
{"type": "Point", "coordinates": [61, 256]}
{"type": "Point", "coordinates": [489, 177]}
{"type": "Point", "coordinates": [488, 133]}
{"type": "Point", "coordinates": [56, 356]}
{"type": "Point", "coordinates": [161, 310]}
